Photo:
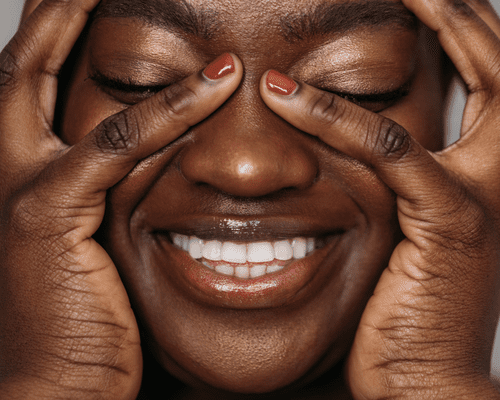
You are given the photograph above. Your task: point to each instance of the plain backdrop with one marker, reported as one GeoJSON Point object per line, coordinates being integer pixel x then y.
{"type": "Point", "coordinates": [10, 10]}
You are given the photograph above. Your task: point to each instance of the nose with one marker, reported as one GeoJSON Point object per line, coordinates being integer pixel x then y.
{"type": "Point", "coordinates": [244, 149]}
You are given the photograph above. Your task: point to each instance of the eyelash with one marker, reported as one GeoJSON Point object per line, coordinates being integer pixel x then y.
{"type": "Point", "coordinates": [120, 89]}
{"type": "Point", "coordinates": [376, 102]}
{"type": "Point", "coordinates": [375, 97]}
{"type": "Point", "coordinates": [130, 92]}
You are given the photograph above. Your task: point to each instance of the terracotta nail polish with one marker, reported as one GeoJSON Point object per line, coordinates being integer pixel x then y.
{"type": "Point", "coordinates": [279, 83]}
{"type": "Point", "coordinates": [220, 67]}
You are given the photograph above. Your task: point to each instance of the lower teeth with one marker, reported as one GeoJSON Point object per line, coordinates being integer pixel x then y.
{"type": "Point", "coordinates": [244, 271]}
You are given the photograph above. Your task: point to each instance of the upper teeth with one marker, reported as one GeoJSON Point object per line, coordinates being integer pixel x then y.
{"type": "Point", "coordinates": [253, 252]}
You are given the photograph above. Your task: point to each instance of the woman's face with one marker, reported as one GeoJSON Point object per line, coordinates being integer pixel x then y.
{"type": "Point", "coordinates": [244, 175]}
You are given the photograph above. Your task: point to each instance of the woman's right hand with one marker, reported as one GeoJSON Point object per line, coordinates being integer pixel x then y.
{"type": "Point", "coordinates": [66, 326]}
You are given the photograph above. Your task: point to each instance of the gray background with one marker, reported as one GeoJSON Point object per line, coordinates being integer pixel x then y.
{"type": "Point", "coordinates": [10, 10]}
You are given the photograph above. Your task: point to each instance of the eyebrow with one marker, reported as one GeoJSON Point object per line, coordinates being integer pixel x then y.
{"type": "Point", "coordinates": [326, 18]}
{"type": "Point", "coordinates": [330, 18]}
{"type": "Point", "coordinates": [168, 14]}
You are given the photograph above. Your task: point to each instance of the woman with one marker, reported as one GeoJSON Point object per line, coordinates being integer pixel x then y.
{"type": "Point", "coordinates": [270, 229]}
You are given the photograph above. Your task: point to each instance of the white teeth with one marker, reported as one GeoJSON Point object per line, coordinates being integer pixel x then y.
{"type": "Point", "coordinates": [310, 245]}
{"type": "Point", "coordinates": [274, 268]}
{"type": "Point", "coordinates": [211, 250]}
{"type": "Point", "coordinates": [253, 252]}
{"type": "Point", "coordinates": [299, 247]}
{"type": "Point", "coordinates": [283, 250]}
{"type": "Point", "coordinates": [260, 252]}
{"type": "Point", "coordinates": [177, 240]}
{"type": "Point", "coordinates": [195, 247]}
{"type": "Point", "coordinates": [224, 269]}
{"type": "Point", "coordinates": [232, 252]}
{"type": "Point", "coordinates": [185, 243]}
{"type": "Point", "coordinates": [242, 272]}
{"type": "Point", "coordinates": [257, 270]}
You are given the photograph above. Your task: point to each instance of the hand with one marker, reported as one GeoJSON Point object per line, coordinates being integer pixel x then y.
{"type": "Point", "coordinates": [427, 330]}
{"type": "Point", "coordinates": [66, 326]}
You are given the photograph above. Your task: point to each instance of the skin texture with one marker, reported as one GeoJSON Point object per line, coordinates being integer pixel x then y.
{"type": "Point", "coordinates": [405, 290]}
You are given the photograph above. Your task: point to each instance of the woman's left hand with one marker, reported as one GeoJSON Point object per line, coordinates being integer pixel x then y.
{"type": "Point", "coordinates": [428, 328]}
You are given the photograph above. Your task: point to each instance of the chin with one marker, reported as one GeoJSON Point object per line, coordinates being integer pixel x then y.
{"type": "Point", "coordinates": [281, 313]}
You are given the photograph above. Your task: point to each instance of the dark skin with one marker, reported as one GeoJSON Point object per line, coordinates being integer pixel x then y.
{"type": "Point", "coordinates": [402, 294]}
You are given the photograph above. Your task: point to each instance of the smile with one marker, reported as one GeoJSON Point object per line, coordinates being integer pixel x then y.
{"type": "Point", "coordinates": [244, 269]}
{"type": "Point", "coordinates": [246, 260]}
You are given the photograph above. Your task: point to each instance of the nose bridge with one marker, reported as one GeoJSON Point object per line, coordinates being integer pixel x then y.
{"type": "Point", "coordinates": [244, 149]}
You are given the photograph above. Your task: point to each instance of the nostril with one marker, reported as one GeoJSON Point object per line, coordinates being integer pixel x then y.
{"type": "Point", "coordinates": [255, 173]}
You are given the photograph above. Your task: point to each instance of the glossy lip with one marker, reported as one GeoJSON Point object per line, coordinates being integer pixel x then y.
{"type": "Point", "coordinates": [297, 280]}
{"type": "Point", "coordinates": [237, 229]}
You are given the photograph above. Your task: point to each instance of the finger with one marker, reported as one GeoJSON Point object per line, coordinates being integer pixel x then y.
{"type": "Point", "coordinates": [468, 40]}
{"type": "Point", "coordinates": [468, 30]}
{"type": "Point", "coordinates": [116, 145]}
{"type": "Point", "coordinates": [29, 7]}
{"type": "Point", "coordinates": [405, 166]}
{"type": "Point", "coordinates": [29, 64]}
{"type": "Point", "coordinates": [487, 13]}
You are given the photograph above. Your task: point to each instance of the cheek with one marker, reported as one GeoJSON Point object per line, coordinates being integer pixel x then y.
{"type": "Point", "coordinates": [86, 107]}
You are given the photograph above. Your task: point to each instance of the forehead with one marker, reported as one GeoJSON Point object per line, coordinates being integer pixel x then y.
{"type": "Point", "coordinates": [294, 19]}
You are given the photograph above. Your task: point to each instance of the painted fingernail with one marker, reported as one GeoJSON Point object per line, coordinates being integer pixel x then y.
{"type": "Point", "coordinates": [279, 83]}
{"type": "Point", "coordinates": [220, 67]}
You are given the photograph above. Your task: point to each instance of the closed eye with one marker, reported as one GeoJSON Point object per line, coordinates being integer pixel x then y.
{"type": "Point", "coordinates": [125, 91]}
{"type": "Point", "coordinates": [131, 92]}
{"type": "Point", "coordinates": [376, 102]}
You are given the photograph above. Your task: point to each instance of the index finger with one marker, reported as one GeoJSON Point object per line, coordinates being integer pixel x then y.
{"type": "Point", "coordinates": [378, 142]}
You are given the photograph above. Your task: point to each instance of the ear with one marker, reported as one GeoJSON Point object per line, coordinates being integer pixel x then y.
{"type": "Point", "coordinates": [29, 7]}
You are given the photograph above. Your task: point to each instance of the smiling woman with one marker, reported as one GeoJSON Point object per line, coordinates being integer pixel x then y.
{"type": "Point", "coordinates": [250, 199]}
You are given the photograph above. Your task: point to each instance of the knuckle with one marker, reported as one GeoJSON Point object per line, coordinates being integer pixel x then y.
{"type": "Point", "coordinates": [119, 133]}
{"type": "Point", "coordinates": [325, 108]}
{"type": "Point", "coordinates": [459, 8]}
{"type": "Point", "coordinates": [388, 139]}
{"type": "Point", "coordinates": [9, 68]}
{"type": "Point", "coordinates": [175, 101]}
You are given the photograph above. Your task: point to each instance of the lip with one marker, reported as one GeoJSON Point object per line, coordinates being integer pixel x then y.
{"type": "Point", "coordinates": [296, 281]}
{"type": "Point", "coordinates": [253, 229]}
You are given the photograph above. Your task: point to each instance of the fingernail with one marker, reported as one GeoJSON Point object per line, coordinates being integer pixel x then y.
{"type": "Point", "coordinates": [220, 67]}
{"type": "Point", "coordinates": [279, 83]}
